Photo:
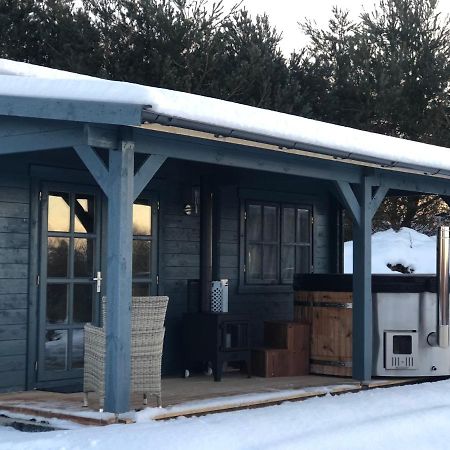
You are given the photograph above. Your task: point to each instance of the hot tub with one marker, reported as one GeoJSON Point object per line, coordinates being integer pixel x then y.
{"type": "Point", "coordinates": [405, 324]}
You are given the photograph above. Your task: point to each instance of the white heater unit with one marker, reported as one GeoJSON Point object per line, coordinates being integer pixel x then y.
{"type": "Point", "coordinates": [219, 296]}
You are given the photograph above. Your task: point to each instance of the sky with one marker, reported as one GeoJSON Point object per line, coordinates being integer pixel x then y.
{"type": "Point", "coordinates": [285, 14]}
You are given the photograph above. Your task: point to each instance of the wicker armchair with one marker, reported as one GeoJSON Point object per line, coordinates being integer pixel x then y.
{"type": "Point", "coordinates": [147, 337]}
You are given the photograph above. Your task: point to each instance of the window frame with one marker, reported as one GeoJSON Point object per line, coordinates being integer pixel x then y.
{"type": "Point", "coordinates": [281, 201]}
{"type": "Point", "coordinates": [262, 243]}
{"type": "Point", "coordinates": [153, 279]}
{"type": "Point", "coordinates": [297, 243]}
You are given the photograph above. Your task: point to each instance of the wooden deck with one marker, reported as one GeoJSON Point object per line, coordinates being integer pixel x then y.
{"type": "Point", "coordinates": [193, 396]}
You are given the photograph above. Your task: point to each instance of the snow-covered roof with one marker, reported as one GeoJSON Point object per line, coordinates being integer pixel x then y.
{"type": "Point", "coordinates": [209, 114]}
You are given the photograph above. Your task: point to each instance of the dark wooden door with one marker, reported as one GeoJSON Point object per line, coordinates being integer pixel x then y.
{"type": "Point", "coordinates": [69, 278]}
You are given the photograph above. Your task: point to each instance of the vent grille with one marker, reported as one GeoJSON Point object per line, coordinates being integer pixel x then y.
{"type": "Point", "coordinates": [219, 296]}
{"type": "Point", "coordinates": [406, 362]}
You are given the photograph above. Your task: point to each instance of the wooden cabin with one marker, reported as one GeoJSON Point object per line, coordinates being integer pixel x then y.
{"type": "Point", "coordinates": [103, 195]}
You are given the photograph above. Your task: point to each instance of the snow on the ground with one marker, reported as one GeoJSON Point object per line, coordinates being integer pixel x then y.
{"type": "Point", "coordinates": [402, 418]}
{"type": "Point", "coordinates": [53, 422]}
{"type": "Point", "coordinates": [26, 80]}
{"type": "Point", "coordinates": [406, 247]}
{"type": "Point", "coordinates": [236, 401]}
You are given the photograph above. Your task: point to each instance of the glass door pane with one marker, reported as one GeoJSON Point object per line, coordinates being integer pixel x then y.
{"type": "Point", "coordinates": [144, 253]}
{"type": "Point", "coordinates": [70, 257]}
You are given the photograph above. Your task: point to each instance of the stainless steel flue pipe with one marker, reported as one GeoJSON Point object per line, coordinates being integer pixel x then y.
{"type": "Point", "coordinates": [442, 265]}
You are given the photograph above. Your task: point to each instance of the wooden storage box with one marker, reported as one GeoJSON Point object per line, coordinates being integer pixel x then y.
{"type": "Point", "coordinates": [289, 335]}
{"type": "Point", "coordinates": [283, 362]}
{"type": "Point", "coordinates": [270, 362]}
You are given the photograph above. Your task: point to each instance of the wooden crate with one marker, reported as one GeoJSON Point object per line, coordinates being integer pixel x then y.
{"type": "Point", "coordinates": [289, 335]}
{"type": "Point", "coordinates": [276, 362]}
{"type": "Point", "coordinates": [330, 317]}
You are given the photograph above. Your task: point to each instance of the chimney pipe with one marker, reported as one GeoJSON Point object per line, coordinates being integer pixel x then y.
{"type": "Point", "coordinates": [442, 267]}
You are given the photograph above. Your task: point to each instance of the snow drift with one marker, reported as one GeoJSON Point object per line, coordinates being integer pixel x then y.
{"type": "Point", "coordinates": [413, 250]}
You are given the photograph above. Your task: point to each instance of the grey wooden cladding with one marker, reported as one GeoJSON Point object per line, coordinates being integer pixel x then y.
{"type": "Point", "coordinates": [181, 260]}
{"type": "Point", "coordinates": [14, 225]}
{"type": "Point", "coordinates": [14, 210]}
{"type": "Point", "coordinates": [181, 273]}
{"type": "Point", "coordinates": [231, 225]}
{"type": "Point", "coordinates": [184, 247]}
{"type": "Point", "coordinates": [13, 380]}
{"type": "Point", "coordinates": [13, 332]}
{"type": "Point", "coordinates": [180, 221]}
{"type": "Point", "coordinates": [228, 261]}
{"type": "Point", "coordinates": [228, 249]}
{"type": "Point", "coordinates": [11, 348]}
{"type": "Point", "coordinates": [14, 195]}
{"type": "Point", "coordinates": [182, 234]}
{"type": "Point", "coordinates": [14, 240]}
{"type": "Point", "coordinates": [13, 271]}
{"type": "Point", "coordinates": [12, 363]}
{"type": "Point", "coordinates": [13, 286]}
{"type": "Point", "coordinates": [13, 301]}
{"type": "Point", "coordinates": [13, 316]}
{"type": "Point", "coordinates": [14, 256]}
{"type": "Point", "coordinates": [14, 266]}
{"type": "Point", "coordinates": [10, 179]}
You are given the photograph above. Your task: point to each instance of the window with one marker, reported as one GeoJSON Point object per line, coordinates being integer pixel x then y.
{"type": "Point", "coordinates": [277, 242]}
{"type": "Point", "coordinates": [144, 252]}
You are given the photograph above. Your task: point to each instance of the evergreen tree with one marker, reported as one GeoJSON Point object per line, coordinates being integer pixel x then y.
{"type": "Point", "coordinates": [193, 48]}
{"type": "Point", "coordinates": [337, 79]}
{"type": "Point", "coordinates": [410, 46]}
{"type": "Point", "coordinates": [387, 73]}
{"type": "Point", "coordinates": [410, 42]}
{"type": "Point", "coordinates": [49, 32]}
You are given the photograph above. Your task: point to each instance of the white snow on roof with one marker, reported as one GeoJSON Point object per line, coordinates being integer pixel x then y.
{"type": "Point", "coordinates": [39, 82]}
{"type": "Point", "coordinates": [8, 67]}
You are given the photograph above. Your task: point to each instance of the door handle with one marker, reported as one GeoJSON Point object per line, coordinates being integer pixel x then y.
{"type": "Point", "coordinates": [98, 279]}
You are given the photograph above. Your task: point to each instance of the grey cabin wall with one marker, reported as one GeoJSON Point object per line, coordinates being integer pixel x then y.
{"type": "Point", "coordinates": [15, 262]}
{"type": "Point", "coordinates": [271, 305]}
{"type": "Point", "coordinates": [178, 247]}
{"type": "Point", "coordinates": [180, 243]}
{"type": "Point", "coordinates": [179, 252]}
{"type": "Point", "coordinates": [14, 243]}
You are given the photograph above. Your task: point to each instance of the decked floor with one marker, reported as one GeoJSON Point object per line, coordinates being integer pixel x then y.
{"type": "Point", "coordinates": [192, 396]}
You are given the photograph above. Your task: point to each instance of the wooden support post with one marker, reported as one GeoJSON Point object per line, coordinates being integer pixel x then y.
{"type": "Point", "coordinates": [362, 206]}
{"type": "Point", "coordinates": [118, 288]}
{"type": "Point", "coordinates": [121, 187]}
{"type": "Point", "coordinates": [362, 286]}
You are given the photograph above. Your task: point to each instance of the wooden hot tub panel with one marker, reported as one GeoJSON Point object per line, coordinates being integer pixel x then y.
{"type": "Point", "coordinates": [329, 315]}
